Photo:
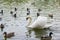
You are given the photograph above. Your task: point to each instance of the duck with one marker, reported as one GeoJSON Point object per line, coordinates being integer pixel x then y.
{"type": "Point", "coordinates": [14, 15]}
{"type": "Point", "coordinates": [41, 22]}
{"type": "Point", "coordinates": [38, 13]}
{"type": "Point", "coordinates": [1, 12]}
{"type": "Point", "coordinates": [47, 37]}
{"type": "Point", "coordinates": [9, 35]}
{"type": "Point", "coordinates": [2, 27]}
{"type": "Point", "coordinates": [15, 9]}
{"type": "Point", "coordinates": [28, 11]}
{"type": "Point", "coordinates": [11, 12]}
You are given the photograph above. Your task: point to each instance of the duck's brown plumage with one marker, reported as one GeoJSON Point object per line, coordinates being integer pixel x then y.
{"type": "Point", "coordinates": [9, 35]}
{"type": "Point", "coordinates": [47, 37]}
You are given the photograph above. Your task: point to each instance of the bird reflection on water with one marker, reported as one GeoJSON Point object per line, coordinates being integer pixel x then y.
{"type": "Point", "coordinates": [37, 32]}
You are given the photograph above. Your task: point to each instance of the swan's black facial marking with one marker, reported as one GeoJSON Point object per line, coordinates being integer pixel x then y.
{"type": "Point", "coordinates": [26, 18]}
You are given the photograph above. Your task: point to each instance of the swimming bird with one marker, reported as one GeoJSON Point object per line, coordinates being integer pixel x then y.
{"type": "Point", "coordinates": [2, 27]}
{"type": "Point", "coordinates": [11, 12]}
{"type": "Point", "coordinates": [41, 22]}
{"type": "Point", "coordinates": [9, 35]}
{"type": "Point", "coordinates": [15, 9]}
{"type": "Point", "coordinates": [38, 13]}
{"type": "Point", "coordinates": [47, 37]}
{"type": "Point", "coordinates": [28, 11]}
{"type": "Point", "coordinates": [1, 12]}
{"type": "Point", "coordinates": [14, 15]}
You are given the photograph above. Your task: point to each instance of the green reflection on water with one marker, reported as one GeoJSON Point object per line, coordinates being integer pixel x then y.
{"type": "Point", "coordinates": [11, 1]}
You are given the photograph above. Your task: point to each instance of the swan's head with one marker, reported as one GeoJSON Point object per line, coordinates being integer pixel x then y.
{"type": "Point", "coordinates": [50, 15]}
{"type": "Point", "coordinates": [28, 18]}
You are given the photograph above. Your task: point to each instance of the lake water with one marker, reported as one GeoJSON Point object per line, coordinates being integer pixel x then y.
{"type": "Point", "coordinates": [18, 25]}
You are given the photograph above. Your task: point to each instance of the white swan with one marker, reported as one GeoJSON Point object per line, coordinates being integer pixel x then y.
{"type": "Point", "coordinates": [41, 22]}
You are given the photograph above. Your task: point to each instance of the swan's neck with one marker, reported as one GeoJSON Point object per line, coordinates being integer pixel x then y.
{"type": "Point", "coordinates": [29, 21]}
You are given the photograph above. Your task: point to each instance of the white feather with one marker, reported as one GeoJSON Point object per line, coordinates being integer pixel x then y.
{"type": "Point", "coordinates": [41, 22]}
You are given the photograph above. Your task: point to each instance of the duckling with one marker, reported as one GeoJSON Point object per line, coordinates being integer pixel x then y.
{"type": "Point", "coordinates": [2, 27]}
{"type": "Point", "coordinates": [9, 35]}
{"type": "Point", "coordinates": [1, 12]}
{"type": "Point", "coordinates": [47, 37]}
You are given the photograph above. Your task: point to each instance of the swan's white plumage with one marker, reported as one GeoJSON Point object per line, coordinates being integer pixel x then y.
{"type": "Point", "coordinates": [41, 22]}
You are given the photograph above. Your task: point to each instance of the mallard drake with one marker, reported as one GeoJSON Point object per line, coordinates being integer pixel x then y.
{"type": "Point", "coordinates": [47, 37]}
